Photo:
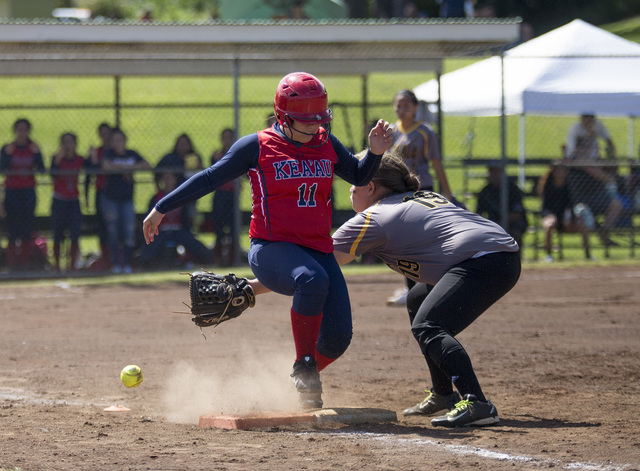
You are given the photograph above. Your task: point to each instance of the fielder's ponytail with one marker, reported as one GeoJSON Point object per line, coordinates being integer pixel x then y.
{"type": "Point", "coordinates": [395, 175]}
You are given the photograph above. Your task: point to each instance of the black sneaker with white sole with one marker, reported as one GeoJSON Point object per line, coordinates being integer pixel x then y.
{"type": "Point", "coordinates": [307, 381]}
{"type": "Point", "coordinates": [433, 404]}
{"type": "Point", "coordinates": [469, 412]}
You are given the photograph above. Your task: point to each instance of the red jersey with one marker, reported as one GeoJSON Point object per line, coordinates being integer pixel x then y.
{"type": "Point", "coordinates": [101, 178]}
{"type": "Point", "coordinates": [65, 185]}
{"type": "Point", "coordinates": [24, 159]}
{"type": "Point", "coordinates": [291, 190]}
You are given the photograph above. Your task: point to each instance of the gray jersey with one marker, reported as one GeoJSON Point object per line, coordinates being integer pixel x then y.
{"type": "Point", "coordinates": [416, 145]}
{"type": "Point", "coordinates": [421, 235]}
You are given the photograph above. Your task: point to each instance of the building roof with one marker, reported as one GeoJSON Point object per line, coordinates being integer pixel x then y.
{"type": "Point", "coordinates": [50, 47]}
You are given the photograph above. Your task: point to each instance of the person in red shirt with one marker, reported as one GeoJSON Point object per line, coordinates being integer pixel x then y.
{"type": "Point", "coordinates": [291, 168]}
{"type": "Point", "coordinates": [99, 178]}
{"type": "Point", "coordinates": [66, 215]}
{"type": "Point", "coordinates": [20, 160]}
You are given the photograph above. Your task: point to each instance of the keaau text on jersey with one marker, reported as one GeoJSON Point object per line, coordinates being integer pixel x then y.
{"type": "Point", "coordinates": [287, 169]}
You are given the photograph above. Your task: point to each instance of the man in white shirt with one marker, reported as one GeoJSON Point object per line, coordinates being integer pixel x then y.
{"type": "Point", "coordinates": [589, 129]}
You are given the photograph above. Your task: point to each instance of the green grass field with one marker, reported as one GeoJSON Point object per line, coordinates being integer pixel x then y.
{"type": "Point", "coordinates": [628, 29]}
{"type": "Point", "coordinates": [350, 270]}
{"type": "Point", "coordinates": [155, 110]}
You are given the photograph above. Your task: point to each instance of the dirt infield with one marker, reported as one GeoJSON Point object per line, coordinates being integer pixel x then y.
{"type": "Point", "coordinates": [559, 356]}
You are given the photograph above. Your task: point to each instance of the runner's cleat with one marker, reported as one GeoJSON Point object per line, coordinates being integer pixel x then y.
{"type": "Point", "coordinates": [433, 404]}
{"type": "Point", "coordinates": [470, 411]}
{"type": "Point", "coordinates": [307, 381]}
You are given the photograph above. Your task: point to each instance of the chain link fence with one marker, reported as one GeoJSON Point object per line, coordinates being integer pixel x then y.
{"type": "Point", "coordinates": [572, 195]}
{"type": "Point", "coordinates": [155, 111]}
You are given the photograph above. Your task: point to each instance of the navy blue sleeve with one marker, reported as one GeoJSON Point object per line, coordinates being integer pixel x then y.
{"type": "Point", "coordinates": [5, 159]}
{"type": "Point", "coordinates": [349, 168]}
{"type": "Point", "coordinates": [39, 162]}
{"type": "Point", "coordinates": [53, 169]}
{"type": "Point", "coordinates": [136, 155]}
{"type": "Point", "coordinates": [242, 156]}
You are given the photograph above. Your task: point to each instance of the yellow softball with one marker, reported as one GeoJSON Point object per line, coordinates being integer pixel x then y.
{"type": "Point", "coordinates": [131, 376]}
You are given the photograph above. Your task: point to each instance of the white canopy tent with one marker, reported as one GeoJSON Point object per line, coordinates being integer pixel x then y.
{"type": "Point", "coordinates": [575, 69]}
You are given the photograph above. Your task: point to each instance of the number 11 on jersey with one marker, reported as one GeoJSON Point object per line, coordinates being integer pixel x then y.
{"type": "Point", "coordinates": [307, 200]}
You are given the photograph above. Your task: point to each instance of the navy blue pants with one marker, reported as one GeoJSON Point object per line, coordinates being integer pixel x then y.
{"type": "Point", "coordinates": [101, 225]}
{"type": "Point", "coordinates": [20, 206]}
{"type": "Point", "coordinates": [439, 313]}
{"type": "Point", "coordinates": [317, 285]}
{"type": "Point", "coordinates": [66, 216]}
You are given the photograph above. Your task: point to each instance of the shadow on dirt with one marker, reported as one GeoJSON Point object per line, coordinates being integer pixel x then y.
{"type": "Point", "coordinates": [528, 421]}
{"type": "Point", "coordinates": [508, 425]}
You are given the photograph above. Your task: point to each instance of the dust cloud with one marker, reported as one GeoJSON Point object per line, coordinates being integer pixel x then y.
{"type": "Point", "coordinates": [236, 386]}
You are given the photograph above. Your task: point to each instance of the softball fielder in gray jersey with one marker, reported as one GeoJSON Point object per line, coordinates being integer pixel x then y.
{"type": "Point", "coordinates": [417, 144]}
{"type": "Point", "coordinates": [462, 264]}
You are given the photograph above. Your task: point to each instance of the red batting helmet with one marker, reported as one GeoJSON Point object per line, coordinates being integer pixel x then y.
{"type": "Point", "coordinates": [302, 97]}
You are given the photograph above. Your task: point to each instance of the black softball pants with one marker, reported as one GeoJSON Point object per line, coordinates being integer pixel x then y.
{"type": "Point", "coordinates": [439, 313]}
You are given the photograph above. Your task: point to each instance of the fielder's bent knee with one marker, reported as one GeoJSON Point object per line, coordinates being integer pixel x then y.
{"type": "Point", "coordinates": [425, 333]}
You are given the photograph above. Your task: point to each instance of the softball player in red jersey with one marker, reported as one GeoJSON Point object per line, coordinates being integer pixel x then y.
{"type": "Point", "coordinates": [291, 167]}
{"type": "Point", "coordinates": [66, 214]}
{"type": "Point", "coordinates": [461, 263]}
{"type": "Point", "coordinates": [23, 157]}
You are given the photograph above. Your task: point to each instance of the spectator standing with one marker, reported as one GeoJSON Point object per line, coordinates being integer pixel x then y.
{"type": "Point", "coordinates": [557, 209]}
{"type": "Point", "coordinates": [174, 230]}
{"type": "Point", "coordinates": [417, 144]}
{"type": "Point", "coordinates": [489, 203]}
{"type": "Point", "coordinates": [66, 214]}
{"type": "Point", "coordinates": [183, 159]}
{"type": "Point", "coordinates": [96, 176]}
{"type": "Point", "coordinates": [120, 163]}
{"type": "Point", "coordinates": [587, 131]}
{"type": "Point", "coordinates": [222, 210]}
{"type": "Point", "coordinates": [21, 159]}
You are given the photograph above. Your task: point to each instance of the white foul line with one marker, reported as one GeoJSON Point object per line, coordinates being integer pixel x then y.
{"type": "Point", "coordinates": [390, 440]}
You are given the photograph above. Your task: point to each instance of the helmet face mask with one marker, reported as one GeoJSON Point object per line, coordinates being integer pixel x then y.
{"type": "Point", "coordinates": [317, 139]}
{"type": "Point", "coordinates": [302, 97]}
